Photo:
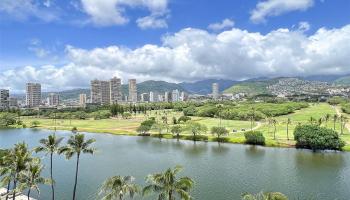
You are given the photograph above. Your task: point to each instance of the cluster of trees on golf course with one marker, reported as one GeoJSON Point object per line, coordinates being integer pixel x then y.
{"type": "Point", "coordinates": [244, 110]}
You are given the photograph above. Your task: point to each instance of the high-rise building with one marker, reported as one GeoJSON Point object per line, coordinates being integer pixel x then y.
{"type": "Point", "coordinates": [13, 102]}
{"type": "Point", "coordinates": [145, 97]}
{"type": "Point", "coordinates": [175, 96]}
{"type": "Point", "coordinates": [105, 92]}
{"type": "Point", "coordinates": [132, 90]}
{"type": "Point", "coordinates": [100, 92]}
{"type": "Point", "coordinates": [95, 91]}
{"type": "Point", "coordinates": [53, 99]}
{"type": "Point", "coordinates": [167, 96]}
{"type": "Point", "coordinates": [215, 90]}
{"type": "Point", "coordinates": [33, 94]}
{"type": "Point", "coordinates": [82, 100]}
{"type": "Point", "coordinates": [116, 90]}
{"type": "Point", "coordinates": [151, 97]}
{"type": "Point", "coordinates": [183, 96]}
{"type": "Point", "coordinates": [4, 99]}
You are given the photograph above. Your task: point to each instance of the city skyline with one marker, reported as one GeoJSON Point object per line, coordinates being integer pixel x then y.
{"type": "Point", "coordinates": [268, 38]}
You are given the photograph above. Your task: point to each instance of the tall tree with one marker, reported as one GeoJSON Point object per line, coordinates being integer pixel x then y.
{"type": "Point", "coordinates": [195, 128]}
{"type": "Point", "coordinates": [327, 117]}
{"type": "Point", "coordinates": [289, 121]}
{"type": "Point", "coordinates": [274, 123]}
{"type": "Point", "coordinates": [31, 178]}
{"type": "Point", "coordinates": [22, 157]}
{"type": "Point", "coordinates": [7, 170]}
{"type": "Point", "coordinates": [335, 119]}
{"type": "Point", "coordinates": [50, 146]}
{"type": "Point", "coordinates": [76, 145]}
{"type": "Point", "coordinates": [118, 187]}
{"type": "Point", "coordinates": [168, 186]}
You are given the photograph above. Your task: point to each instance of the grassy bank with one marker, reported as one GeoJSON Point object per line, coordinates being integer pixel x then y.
{"type": "Point", "coordinates": [119, 126]}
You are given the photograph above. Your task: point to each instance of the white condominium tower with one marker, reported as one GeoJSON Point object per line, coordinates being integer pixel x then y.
{"type": "Point", "coordinates": [215, 88]}
{"type": "Point", "coordinates": [33, 94]}
{"type": "Point", "coordinates": [4, 99]}
{"type": "Point", "coordinates": [116, 90]}
{"type": "Point", "coordinates": [53, 99]}
{"type": "Point", "coordinates": [82, 100]}
{"type": "Point", "coordinates": [132, 90]}
{"type": "Point", "coordinates": [175, 96]}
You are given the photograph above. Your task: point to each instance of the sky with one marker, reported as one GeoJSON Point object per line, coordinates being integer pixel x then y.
{"type": "Point", "coordinates": [64, 44]}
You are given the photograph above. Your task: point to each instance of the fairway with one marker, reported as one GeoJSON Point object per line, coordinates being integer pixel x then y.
{"type": "Point", "coordinates": [129, 126]}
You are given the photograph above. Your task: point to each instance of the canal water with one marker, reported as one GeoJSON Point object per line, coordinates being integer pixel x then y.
{"type": "Point", "coordinates": [220, 171]}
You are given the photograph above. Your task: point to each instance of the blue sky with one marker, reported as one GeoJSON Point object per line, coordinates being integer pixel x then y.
{"type": "Point", "coordinates": [43, 40]}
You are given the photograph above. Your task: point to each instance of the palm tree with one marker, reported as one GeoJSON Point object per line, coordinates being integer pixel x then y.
{"type": "Point", "coordinates": [252, 117]}
{"type": "Point", "coordinates": [274, 123]}
{"type": "Point", "coordinates": [219, 106]}
{"type": "Point", "coordinates": [76, 145]}
{"type": "Point", "coordinates": [343, 121]}
{"type": "Point", "coordinates": [117, 187]}
{"type": "Point", "coordinates": [168, 186]}
{"type": "Point", "coordinates": [50, 145]}
{"type": "Point", "coordinates": [31, 178]}
{"type": "Point", "coordinates": [289, 121]}
{"type": "Point", "coordinates": [312, 120]}
{"type": "Point", "coordinates": [264, 196]}
{"type": "Point", "coordinates": [327, 118]}
{"type": "Point", "coordinates": [335, 119]}
{"type": "Point", "coordinates": [7, 170]}
{"type": "Point", "coordinates": [22, 157]}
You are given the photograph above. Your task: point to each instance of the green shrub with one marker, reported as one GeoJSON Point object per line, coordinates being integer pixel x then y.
{"type": "Point", "coordinates": [183, 119]}
{"type": "Point", "coordinates": [317, 138]}
{"type": "Point", "coordinates": [197, 137]}
{"type": "Point", "coordinates": [254, 137]}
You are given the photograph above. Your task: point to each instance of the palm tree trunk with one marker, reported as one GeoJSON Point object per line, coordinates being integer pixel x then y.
{"type": "Point", "coordinates": [28, 194]}
{"type": "Point", "coordinates": [76, 176]}
{"type": "Point", "coordinates": [170, 195]}
{"type": "Point", "coordinates": [8, 189]}
{"type": "Point", "coordinates": [52, 184]}
{"type": "Point", "coordinates": [14, 188]}
{"type": "Point", "coordinates": [287, 132]}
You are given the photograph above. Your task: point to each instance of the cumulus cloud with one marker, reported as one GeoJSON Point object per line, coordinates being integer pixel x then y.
{"type": "Point", "coordinates": [25, 9]}
{"type": "Point", "coordinates": [112, 12]}
{"type": "Point", "coordinates": [277, 7]}
{"type": "Point", "coordinates": [151, 22]}
{"type": "Point", "coordinates": [225, 24]}
{"type": "Point", "coordinates": [304, 26]}
{"type": "Point", "coordinates": [195, 54]}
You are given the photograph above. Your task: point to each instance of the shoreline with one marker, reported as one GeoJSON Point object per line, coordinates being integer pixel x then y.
{"type": "Point", "coordinates": [226, 140]}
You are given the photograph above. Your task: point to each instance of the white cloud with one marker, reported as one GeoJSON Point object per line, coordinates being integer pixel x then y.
{"type": "Point", "coordinates": [36, 47]}
{"type": "Point", "coordinates": [226, 23]}
{"type": "Point", "coordinates": [195, 54]}
{"type": "Point", "coordinates": [25, 9]}
{"type": "Point", "coordinates": [113, 12]}
{"type": "Point", "coordinates": [277, 7]}
{"type": "Point", "coordinates": [152, 21]}
{"type": "Point", "coordinates": [304, 26]}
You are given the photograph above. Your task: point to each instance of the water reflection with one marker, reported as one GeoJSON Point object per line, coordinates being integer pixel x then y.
{"type": "Point", "coordinates": [255, 151]}
{"type": "Point", "coordinates": [220, 149]}
{"type": "Point", "coordinates": [195, 149]}
{"type": "Point", "coordinates": [307, 159]}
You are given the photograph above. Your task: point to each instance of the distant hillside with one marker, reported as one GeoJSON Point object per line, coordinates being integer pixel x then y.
{"type": "Point", "coordinates": [345, 81]}
{"type": "Point", "coordinates": [251, 87]}
{"type": "Point", "coordinates": [205, 86]}
{"type": "Point", "coordinates": [280, 86]}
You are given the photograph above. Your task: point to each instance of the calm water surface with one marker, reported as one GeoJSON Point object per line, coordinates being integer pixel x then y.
{"type": "Point", "coordinates": [221, 172]}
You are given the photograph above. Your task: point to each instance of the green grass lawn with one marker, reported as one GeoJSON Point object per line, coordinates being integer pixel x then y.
{"type": "Point", "coordinates": [129, 126]}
